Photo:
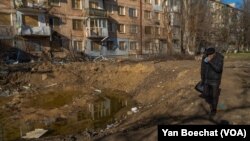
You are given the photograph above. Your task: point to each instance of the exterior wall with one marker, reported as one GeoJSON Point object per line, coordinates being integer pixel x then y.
{"type": "Point", "coordinates": [33, 45]}
{"type": "Point", "coordinates": [7, 31]}
{"type": "Point", "coordinates": [128, 37]}
{"type": "Point", "coordinates": [65, 31]}
{"type": "Point", "coordinates": [100, 3]}
{"type": "Point", "coordinates": [31, 40]}
{"type": "Point", "coordinates": [65, 36]}
{"type": "Point", "coordinates": [174, 13]}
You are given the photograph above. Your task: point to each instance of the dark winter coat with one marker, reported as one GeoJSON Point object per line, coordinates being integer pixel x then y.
{"type": "Point", "coordinates": [211, 72]}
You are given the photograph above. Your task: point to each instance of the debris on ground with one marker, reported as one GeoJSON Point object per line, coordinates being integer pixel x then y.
{"type": "Point", "coordinates": [164, 89]}
{"type": "Point", "coordinates": [37, 133]}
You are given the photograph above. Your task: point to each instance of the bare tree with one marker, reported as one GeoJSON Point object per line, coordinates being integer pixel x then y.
{"type": "Point", "coordinates": [195, 24]}
{"type": "Point", "coordinates": [168, 30]}
{"type": "Point", "coordinates": [246, 23]}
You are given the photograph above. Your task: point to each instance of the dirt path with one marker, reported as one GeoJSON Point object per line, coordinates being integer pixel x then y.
{"type": "Point", "coordinates": [181, 105]}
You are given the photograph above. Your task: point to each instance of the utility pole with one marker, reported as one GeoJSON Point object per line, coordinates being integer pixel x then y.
{"type": "Point", "coordinates": [141, 24]}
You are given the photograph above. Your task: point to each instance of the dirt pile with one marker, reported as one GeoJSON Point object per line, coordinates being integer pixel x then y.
{"type": "Point", "coordinates": [163, 92]}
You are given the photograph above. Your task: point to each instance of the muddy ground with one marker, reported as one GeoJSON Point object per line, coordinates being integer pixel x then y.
{"type": "Point", "coordinates": [48, 96]}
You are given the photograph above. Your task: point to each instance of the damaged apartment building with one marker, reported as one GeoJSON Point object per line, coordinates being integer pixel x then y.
{"type": "Point", "coordinates": [24, 27]}
{"type": "Point", "coordinates": [94, 27]}
{"type": "Point", "coordinates": [108, 27]}
{"type": "Point", "coordinates": [91, 27]}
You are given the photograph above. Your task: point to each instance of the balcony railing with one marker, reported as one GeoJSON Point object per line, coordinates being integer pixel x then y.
{"type": "Point", "coordinates": [42, 4]}
{"type": "Point", "coordinates": [97, 32]}
{"type": "Point", "coordinates": [6, 32]}
{"type": "Point", "coordinates": [96, 12]}
{"type": "Point", "coordinates": [39, 31]}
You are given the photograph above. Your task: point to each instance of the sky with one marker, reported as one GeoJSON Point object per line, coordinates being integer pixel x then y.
{"type": "Point", "coordinates": [238, 2]}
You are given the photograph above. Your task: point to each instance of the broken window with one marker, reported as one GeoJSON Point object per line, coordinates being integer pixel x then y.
{"type": "Point", "coordinates": [111, 27]}
{"type": "Point", "coordinates": [132, 12]}
{"type": "Point", "coordinates": [110, 45]}
{"type": "Point", "coordinates": [55, 22]}
{"type": "Point", "coordinates": [95, 46]}
{"type": "Point", "coordinates": [77, 4]}
{"type": "Point", "coordinates": [112, 8]}
{"type": "Point", "coordinates": [5, 19]}
{"type": "Point", "coordinates": [122, 45]}
{"type": "Point", "coordinates": [78, 46]}
{"type": "Point", "coordinates": [134, 45]}
{"type": "Point", "coordinates": [30, 20]}
{"type": "Point", "coordinates": [122, 10]}
{"type": "Point", "coordinates": [55, 2]}
{"type": "Point", "coordinates": [77, 24]}
{"type": "Point", "coordinates": [122, 28]}
{"type": "Point", "coordinates": [148, 30]}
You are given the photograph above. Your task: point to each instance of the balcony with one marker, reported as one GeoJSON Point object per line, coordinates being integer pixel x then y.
{"type": "Point", "coordinates": [6, 32]}
{"type": "Point", "coordinates": [28, 4]}
{"type": "Point", "coordinates": [175, 9]}
{"type": "Point", "coordinates": [96, 12]}
{"type": "Point", "coordinates": [97, 32]}
{"type": "Point", "coordinates": [34, 31]}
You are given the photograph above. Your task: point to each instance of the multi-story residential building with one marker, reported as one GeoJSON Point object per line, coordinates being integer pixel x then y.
{"type": "Point", "coordinates": [32, 29]}
{"type": "Point", "coordinates": [24, 26]}
{"type": "Point", "coordinates": [173, 12]}
{"type": "Point", "coordinates": [66, 19]}
{"type": "Point", "coordinates": [226, 24]}
{"type": "Point", "coordinates": [80, 26]}
{"type": "Point", "coordinates": [7, 14]}
{"type": "Point", "coordinates": [111, 27]}
{"type": "Point", "coordinates": [95, 27]}
{"type": "Point", "coordinates": [135, 27]}
{"type": "Point", "coordinates": [153, 27]}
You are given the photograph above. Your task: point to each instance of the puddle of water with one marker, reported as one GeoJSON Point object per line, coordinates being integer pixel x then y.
{"type": "Point", "coordinates": [98, 110]}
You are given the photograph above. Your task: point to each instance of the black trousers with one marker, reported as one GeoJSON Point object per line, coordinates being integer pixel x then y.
{"type": "Point", "coordinates": [212, 93]}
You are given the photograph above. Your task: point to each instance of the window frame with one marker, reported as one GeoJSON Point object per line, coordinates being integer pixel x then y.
{"type": "Point", "coordinates": [122, 47]}
{"type": "Point", "coordinates": [135, 48]}
{"type": "Point", "coordinates": [52, 3]}
{"type": "Point", "coordinates": [133, 29]}
{"type": "Point", "coordinates": [74, 21]}
{"type": "Point", "coordinates": [124, 28]}
{"type": "Point", "coordinates": [24, 22]}
{"type": "Point", "coordinates": [147, 14]}
{"type": "Point", "coordinates": [76, 46]}
{"type": "Point", "coordinates": [123, 9]}
{"type": "Point", "coordinates": [132, 12]}
{"type": "Point", "coordinates": [73, 2]}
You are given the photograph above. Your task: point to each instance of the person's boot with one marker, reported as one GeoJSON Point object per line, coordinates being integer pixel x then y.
{"type": "Point", "coordinates": [213, 112]}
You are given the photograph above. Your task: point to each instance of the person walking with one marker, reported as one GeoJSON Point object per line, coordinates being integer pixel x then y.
{"type": "Point", "coordinates": [211, 74]}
